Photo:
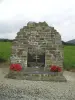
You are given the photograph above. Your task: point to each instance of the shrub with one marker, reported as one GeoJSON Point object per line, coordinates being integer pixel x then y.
{"type": "Point", "coordinates": [2, 60]}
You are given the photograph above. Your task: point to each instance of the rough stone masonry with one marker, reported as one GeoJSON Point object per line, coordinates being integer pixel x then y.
{"type": "Point", "coordinates": [37, 44]}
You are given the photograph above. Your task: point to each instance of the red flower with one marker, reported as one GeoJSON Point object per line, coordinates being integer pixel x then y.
{"type": "Point", "coordinates": [54, 68]}
{"type": "Point", "coordinates": [15, 67]}
{"type": "Point", "coordinates": [59, 69]}
{"type": "Point", "coordinates": [11, 66]}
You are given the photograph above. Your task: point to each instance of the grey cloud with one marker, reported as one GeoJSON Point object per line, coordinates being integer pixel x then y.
{"type": "Point", "coordinates": [11, 26]}
{"type": "Point", "coordinates": [1, 1]}
{"type": "Point", "coordinates": [58, 21]}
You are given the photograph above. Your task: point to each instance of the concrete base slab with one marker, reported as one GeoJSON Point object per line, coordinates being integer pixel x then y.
{"type": "Point", "coordinates": [37, 76]}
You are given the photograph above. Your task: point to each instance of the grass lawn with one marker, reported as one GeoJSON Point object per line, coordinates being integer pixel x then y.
{"type": "Point", "coordinates": [69, 57]}
{"type": "Point", "coordinates": [5, 50]}
{"type": "Point", "coordinates": [69, 54]}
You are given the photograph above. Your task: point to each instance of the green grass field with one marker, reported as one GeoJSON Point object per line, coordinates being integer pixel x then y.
{"type": "Point", "coordinates": [69, 54]}
{"type": "Point", "coordinates": [69, 57]}
{"type": "Point", "coordinates": [5, 50]}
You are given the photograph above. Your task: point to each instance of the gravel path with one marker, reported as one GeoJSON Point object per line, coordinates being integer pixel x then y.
{"type": "Point", "coordinates": [31, 90]}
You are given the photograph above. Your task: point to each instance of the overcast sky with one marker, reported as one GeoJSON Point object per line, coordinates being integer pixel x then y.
{"type": "Point", "coordinates": [14, 14]}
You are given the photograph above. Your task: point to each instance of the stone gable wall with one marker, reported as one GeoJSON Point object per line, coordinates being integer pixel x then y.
{"type": "Point", "coordinates": [41, 38]}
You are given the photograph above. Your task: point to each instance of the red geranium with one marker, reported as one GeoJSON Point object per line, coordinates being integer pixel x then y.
{"type": "Point", "coordinates": [55, 68]}
{"type": "Point", "coordinates": [15, 67]}
{"type": "Point", "coordinates": [59, 69]}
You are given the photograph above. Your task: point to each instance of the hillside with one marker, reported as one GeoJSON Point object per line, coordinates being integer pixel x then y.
{"type": "Point", "coordinates": [71, 41]}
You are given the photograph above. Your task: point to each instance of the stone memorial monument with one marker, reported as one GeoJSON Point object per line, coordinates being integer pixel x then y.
{"type": "Point", "coordinates": [36, 47]}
